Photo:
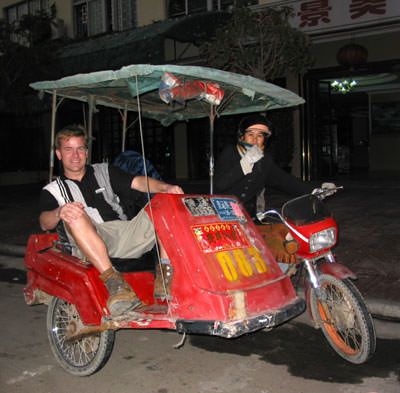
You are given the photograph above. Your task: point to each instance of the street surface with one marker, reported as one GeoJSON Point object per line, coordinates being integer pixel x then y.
{"type": "Point", "coordinates": [293, 358]}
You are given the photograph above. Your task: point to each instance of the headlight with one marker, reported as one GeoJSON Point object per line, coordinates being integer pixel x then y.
{"type": "Point", "coordinates": [323, 239]}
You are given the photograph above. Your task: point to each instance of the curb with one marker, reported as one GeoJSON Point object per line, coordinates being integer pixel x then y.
{"type": "Point", "coordinates": [384, 329]}
{"type": "Point", "coordinates": [12, 249]}
{"type": "Point", "coordinates": [386, 311]}
{"type": "Point", "coordinates": [381, 308]}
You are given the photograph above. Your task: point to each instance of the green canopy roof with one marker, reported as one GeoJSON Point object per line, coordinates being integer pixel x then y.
{"type": "Point", "coordinates": [122, 88]}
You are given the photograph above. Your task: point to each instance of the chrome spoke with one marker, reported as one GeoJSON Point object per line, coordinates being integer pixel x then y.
{"type": "Point", "coordinates": [79, 352]}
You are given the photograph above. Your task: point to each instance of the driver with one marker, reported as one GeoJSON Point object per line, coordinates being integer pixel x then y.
{"type": "Point", "coordinates": [245, 169]}
{"type": "Point", "coordinates": [85, 199]}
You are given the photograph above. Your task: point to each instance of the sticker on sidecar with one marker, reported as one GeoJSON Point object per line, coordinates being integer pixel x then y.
{"type": "Point", "coordinates": [220, 236]}
{"type": "Point", "coordinates": [241, 263]}
{"type": "Point", "coordinates": [228, 209]}
{"type": "Point", "coordinates": [199, 206]}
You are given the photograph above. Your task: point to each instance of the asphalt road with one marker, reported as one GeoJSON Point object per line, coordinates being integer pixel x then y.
{"type": "Point", "coordinates": [291, 359]}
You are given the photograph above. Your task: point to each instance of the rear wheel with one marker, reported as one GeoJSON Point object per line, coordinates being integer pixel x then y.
{"type": "Point", "coordinates": [83, 356]}
{"type": "Point", "coordinates": [345, 321]}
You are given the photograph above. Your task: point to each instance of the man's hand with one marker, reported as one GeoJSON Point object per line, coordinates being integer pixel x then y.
{"type": "Point", "coordinates": [49, 219]}
{"type": "Point", "coordinates": [173, 189]}
{"type": "Point", "coordinates": [330, 188]}
{"type": "Point", "coordinates": [148, 184]}
{"type": "Point", "coordinates": [71, 212]}
{"type": "Point", "coordinates": [325, 190]}
{"type": "Point", "coordinates": [251, 156]}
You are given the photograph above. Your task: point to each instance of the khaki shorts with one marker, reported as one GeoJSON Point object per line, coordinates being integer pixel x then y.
{"type": "Point", "coordinates": [124, 239]}
{"type": "Point", "coordinates": [128, 239]}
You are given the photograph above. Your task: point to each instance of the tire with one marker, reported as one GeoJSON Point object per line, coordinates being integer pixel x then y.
{"type": "Point", "coordinates": [81, 357]}
{"type": "Point", "coordinates": [344, 319]}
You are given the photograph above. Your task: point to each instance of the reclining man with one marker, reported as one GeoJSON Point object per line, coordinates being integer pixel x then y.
{"type": "Point", "coordinates": [85, 199]}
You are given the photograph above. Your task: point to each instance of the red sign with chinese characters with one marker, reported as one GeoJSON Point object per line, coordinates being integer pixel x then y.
{"type": "Point", "coordinates": [331, 15]}
{"type": "Point", "coordinates": [222, 236]}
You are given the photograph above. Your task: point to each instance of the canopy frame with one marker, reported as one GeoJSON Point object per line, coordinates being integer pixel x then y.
{"type": "Point", "coordinates": [121, 90]}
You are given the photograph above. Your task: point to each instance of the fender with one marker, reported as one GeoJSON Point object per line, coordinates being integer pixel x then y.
{"type": "Point", "coordinates": [333, 269]}
{"type": "Point", "coordinates": [336, 270]}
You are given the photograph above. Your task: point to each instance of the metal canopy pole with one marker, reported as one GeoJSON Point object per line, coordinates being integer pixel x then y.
{"type": "Point", "coordinates": [212, 118]}
{"type": "Point", "coordinates": [90, 127]}
{"type": "Point", "coordinates": [124, 120]}
{"type": "Point", "coordinates": [53, 132]}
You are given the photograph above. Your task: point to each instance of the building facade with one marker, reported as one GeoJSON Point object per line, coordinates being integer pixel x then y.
{"type": "Point", "coordinates": [350, 131]}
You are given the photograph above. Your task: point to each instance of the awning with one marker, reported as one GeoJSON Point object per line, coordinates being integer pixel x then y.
{"type": "Point", "coordinates": [136, 46]}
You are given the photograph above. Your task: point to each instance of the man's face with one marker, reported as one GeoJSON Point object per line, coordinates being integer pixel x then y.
{"type": "Point", "coordinates": [256, 135]}
{"type": "Point", "coordinates": [73, 154]}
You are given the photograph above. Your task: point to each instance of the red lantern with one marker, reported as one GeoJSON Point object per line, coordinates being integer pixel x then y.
{"type": "Point", "coordinates": [352, 56]}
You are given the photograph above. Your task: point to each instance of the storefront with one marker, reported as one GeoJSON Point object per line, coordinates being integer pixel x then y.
{"type": "Point", "coordinates": [351, 121]}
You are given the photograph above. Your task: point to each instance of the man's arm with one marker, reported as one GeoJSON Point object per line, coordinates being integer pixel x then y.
{"type": "Point", "coordinates": [144, 184]}
{"type": "Point", "coordinates": [228, 171]}
{"type": "Point", "coordinates": [49, 219]}
{"type": "Point", "coordinates": [49, 211]}
{"type": "Point", "coordinates": [284, 181]}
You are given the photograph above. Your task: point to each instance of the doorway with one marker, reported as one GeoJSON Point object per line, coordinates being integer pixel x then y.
{"type": "Point", "coordinates": [351, 132]}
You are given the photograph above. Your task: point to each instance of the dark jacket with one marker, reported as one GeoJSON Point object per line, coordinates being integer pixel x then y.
{"type": "Point", "coordinates": [230, 180]}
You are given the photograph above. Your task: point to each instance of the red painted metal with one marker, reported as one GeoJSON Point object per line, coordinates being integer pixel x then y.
{"type": "Point", "coordinates": [200, 286]}
{"type": "Point", "coordinates": [307, 230]}
{"type": "Point", "coordinates": [222, 270]}
{"type": "Point", "coordinates": [337, 270]}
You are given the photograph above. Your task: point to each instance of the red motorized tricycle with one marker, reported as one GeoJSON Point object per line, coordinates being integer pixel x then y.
{"type": "Point", "coordinates": [225, 280]}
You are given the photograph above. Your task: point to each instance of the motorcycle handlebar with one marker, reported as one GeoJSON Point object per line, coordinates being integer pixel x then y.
{"type": "Point", "coordinates": [320, 193]}
{"type": "Point", "coordinates": [323, 192]}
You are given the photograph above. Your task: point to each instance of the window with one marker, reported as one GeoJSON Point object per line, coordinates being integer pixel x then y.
{"type": "Point", "coordinates": [222, 5]}
{"type": "Point", "coordinates": [15, 13]}
{"type": "Point", "coordinates": [99, 16]}
{"type": "Point", "coordinates": [123, 14]}
{"type": "Point", "coordinates": [80, 14]}
{"type": "Point", "coordinates": [30, 7]}
{"type": "Point", "coordinates": [187, 7]}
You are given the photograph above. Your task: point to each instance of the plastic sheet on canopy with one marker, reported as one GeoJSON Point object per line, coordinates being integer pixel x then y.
{"type": "Point", "coordinates": [120, 89]}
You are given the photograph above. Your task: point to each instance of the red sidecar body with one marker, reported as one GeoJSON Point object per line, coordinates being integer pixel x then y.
{"type": "Point", "coordinates": [225, 281]}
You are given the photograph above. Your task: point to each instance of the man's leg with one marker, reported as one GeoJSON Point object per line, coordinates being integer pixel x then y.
{"type": "Point", "coordinates": [121, 296]}
{"type": "Point", "coordinates": [90, 243]}
{"type": "Point", "coordinates": [136, 237]}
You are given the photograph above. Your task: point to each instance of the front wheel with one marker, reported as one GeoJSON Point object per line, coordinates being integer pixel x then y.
{"type": "Point", "coordinates": [82, 356]}
{"type": "Point", "coordinates": [343, 316]}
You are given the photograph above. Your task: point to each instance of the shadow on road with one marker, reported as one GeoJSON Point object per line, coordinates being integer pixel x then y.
{"type": "Point", "coordinates": [12, 275]}
{"type": "Point", "coordinates": [306, 354]}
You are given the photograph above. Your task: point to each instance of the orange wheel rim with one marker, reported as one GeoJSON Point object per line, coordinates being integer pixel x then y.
{"type": "Point", "coordinates": [333, 334]}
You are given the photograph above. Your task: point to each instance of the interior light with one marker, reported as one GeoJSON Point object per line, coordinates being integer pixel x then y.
{"type": "Point", "coordinates": [343, 86]}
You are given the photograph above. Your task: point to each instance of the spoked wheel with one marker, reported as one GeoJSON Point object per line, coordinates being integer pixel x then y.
{"type": "Point", "coordinates": [82, 356]}
{"type": "Point", "coordinates": [345, 321]}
